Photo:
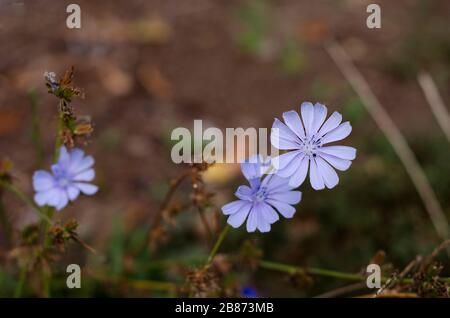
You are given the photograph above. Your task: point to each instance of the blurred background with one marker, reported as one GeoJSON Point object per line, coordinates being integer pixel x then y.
{"type": "Point", "coordinates": [147, 67]}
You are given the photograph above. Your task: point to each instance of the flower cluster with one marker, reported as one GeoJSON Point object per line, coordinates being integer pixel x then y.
{"type": "Point", "coordinates": [304, 138]}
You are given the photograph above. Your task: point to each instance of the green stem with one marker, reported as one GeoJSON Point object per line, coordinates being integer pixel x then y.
{"type": "Point", "coordinates": [46, 275]}
{"type": "Point", "coordinates": [58, 141]}
{"type": "Point", "coordinates": [47, 222]}
{"type": "Point", "coordinates": [21, 283]}
{"type": "Point", "coordinates": [19, 194]}
{"type": "Point", "coordinates": [47, 241]}
{"type": "Point", "coordinates": [150, 284]}
{"type": "Point", "coordinates": [335, 274]}
{"type": "Point", "coordinates": [216, 247]}
{"type": "Point", "coordinates": [289, 269]}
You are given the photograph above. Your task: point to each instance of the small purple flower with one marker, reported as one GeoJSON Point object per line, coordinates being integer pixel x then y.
{"type": "Point", "coordinates": [249, 292]}
{"type": "Point", "coordinates": [70, 176]}
{"type": "Point", "coordinates": [307, 140]}
{"type": "Point", "coordinates": [259, 202]}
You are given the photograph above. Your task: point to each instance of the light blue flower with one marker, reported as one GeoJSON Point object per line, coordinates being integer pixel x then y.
{"type": "Point", "coordinates": [259, 202]}
{"type": "Point", "coordinates": [69, 177]}
{"type": "Point", "coordinates": [306, 141]}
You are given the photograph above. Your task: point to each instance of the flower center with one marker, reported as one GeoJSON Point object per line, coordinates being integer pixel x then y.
{"type": "Point", "coordinates": [260, 195]}
{"type": "Point", "coordinates": [63, 180]}
{"type": "Point", "coordinates": [310, 146]}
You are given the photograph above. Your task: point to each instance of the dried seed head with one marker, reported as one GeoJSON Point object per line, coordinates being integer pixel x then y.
{"type": "Point", "coordinates": [203, 282]}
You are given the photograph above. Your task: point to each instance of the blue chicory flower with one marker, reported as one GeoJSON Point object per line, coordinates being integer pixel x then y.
{"type": "Point", "coordinates": [249, 292]}
{"type": "Point", "coordinates": [70, 176]}
{"type": "Point", "coordinates": [306, 144]}
{"type": "Point", "coordinates": [259, 202]}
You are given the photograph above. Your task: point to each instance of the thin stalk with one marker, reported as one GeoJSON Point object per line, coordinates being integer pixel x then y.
{"type": "Point", "coordinates": [21, 283]}
{"type": "Point", "coordinates": [436, 102]}
{"type": "Point", "coordinates": [150, 284]}
{"type": "Point", "coordinates": [21, 196]}
{"type": "Point", "coordinates": [205, 223]}
{"type": "Point", "coordinates": [46, 275]}
{"type": "Point", "coordinates": [58, 140]}
{"type": "Point", "coordinates": [158, 217]}
{"type": "Point", "coordinates": [83, 244]}
{"type": "Point", "coordinates": [140, 284]}
{"type": "Point", "coordinates": [217, 245]}
{"type": "Point", "coordinates": [47, 240]}
{"type": "Point", "coordinates": [343, 290]}
{"type": "Point", "coordinates": [168, 197]}
{"type": "Point", "coordinates": [418, 177]}
{"type": "Point", "coordinates": [285, 268]}
{"type": "Point", "coordinates": [290, 269]}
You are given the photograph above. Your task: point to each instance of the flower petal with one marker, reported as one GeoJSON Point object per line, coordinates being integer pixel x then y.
{"type": "Point", "coordinates": [54, 196]}
{"type": "Point", "coordinates": [64, 157]}
{"type": "Point", "coordinates": [244, 193]}
{"type": "Point", "coordinates": [87, 175]}
{"type": "Point", "coordinates": [252, 221]}
{"type": "Point", "coordinates": [76, 156]}
{"type": "Point", "coordinates": [320, 113]}
{"type": "Point", "coordinates": [255, 167]}
{"type": "Point", "coordinates": [293, 121]}
{"type": "Point", "coordinates": [292, 167]}
{"type": "Point", "coordinates": [57, 169]}
{"type": "Point", "coordinates": [276, 183]}
{"type": "Point", "coordinates": [82, 165]}
{"type": "Point", "coordinates": [315, 177]}
{"type": "Point", "coordinates": [329, 176]}
{"type": "Point", "coordinates": [299, 176]}
{"type": "Point", "coordinates": [282, 137]}
{"type": "Point", "coordinates": [291, 197]}
{"type": "Point", "coordinates": [72, 192]}
{"type": "Point", "coordinates": [307, 110]}
{"type": "Point", "coordinates": [63, 201]}
{"type": "Point", "coordinates": [339, 133]}
{"type": "Point", "coordinates": [338, 163]}
{"type": "Point", "coordinates": [263, 226]}
{"type": "Point", "coordinates": [331, 123]}
{"type": "Point", "coordinates": [343, 152]}
{"type": "Point", "coordinates": [86, 188]}
{"type": "Point", "coordinates": [42, 180]}
{"type": "Point", "coordinates": [234, 207]}
{"type": "Point", "coordinates": [41, 198]}
{"type": "Point", "coordinates": [285, 209]}
{"type": "Point", "coordinates": [269, 214]}
{"type": "Point", "coordinates": [282, 161]}
{"type": "Point", "coordinates": [236, 219]}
